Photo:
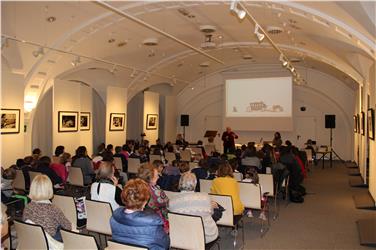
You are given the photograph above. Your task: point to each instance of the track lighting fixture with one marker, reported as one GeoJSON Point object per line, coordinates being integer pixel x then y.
{"type": "Point", "coordinates": [283, 60]}
{"type": "Point", "coordinates": [260, 36]}
{"type": "Point", "coordinates": [112, 71]}
{"type": "Point", "coordinates": [38, 52]}
{"type": "Point", "coordinates": [234, 7]}
{"type": "Point", "coordinates": [76, 61]}
{"type": "Point", "coordinates": [133, 74]}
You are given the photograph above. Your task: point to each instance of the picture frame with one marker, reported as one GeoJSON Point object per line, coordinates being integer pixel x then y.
{"type": "Point", "coordinates": [362, 123]}
{"type": "Point", "coordinates": [371, 123]}
{"type": "Point", "coordinates": [85, 121]}
{"type": "Point", "coordinates": [117, 121]}
{"type": "Point", "coordinates": [10, 121]}
{"type": "Point", "coordinates": [151, 121]}
{"type": "Point", "coordinates": [355, 119]}
{"type": "Point", "coordinates": [68, 121]}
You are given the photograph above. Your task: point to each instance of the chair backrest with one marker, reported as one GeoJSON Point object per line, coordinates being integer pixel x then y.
{"type": "Point", "coordinates": [76, 177]}
{"type": "Point", "coordinates": [98, 216]}
{"type": "Point", "coordinates": [248, 161]}
{"type": "Point", "coordinates": [185, 155]}
{"type": "Point", "coordinates": [133, 165]}
{"type": "Point", "coordinates": [118, 163]}
{"type": "Point", "coordinates": [33, 174]}
{"type": "Point", "coordinates": [154, 157]}
{"type": "Point", "coordinates": [209, 149]}
{"type": "Point", "coordinates": [170, 156]}
{"type": "Point", "coordinates": [19, 181]}
{"type": "Point", "coordinates": [170, 194]}
{"type": "Point", "coordinates": [112, 245]}
{"type": "Point", "coordinates": [309, 155]}
{"type": "Point", "coordinates": [73, 240]}
{"type": "Point", "coordinates": [225, 201]}
{"type": "Point", "coordinates": [180, 224]}
{"type": "Point", "coordinates": [238, 176]}
{"type": "Point", "coordinates": [267, 184]}
{"type": "Point", "coordinates": [250, 195]}
{"type": "Point", "coordinates": [205, 185]}
{"type": "Point", "coordinates": [30, 236]}
{"type": "Point", "coordinates": [68, 206]}
{"type": "Point", "coordinates": [193, 165]}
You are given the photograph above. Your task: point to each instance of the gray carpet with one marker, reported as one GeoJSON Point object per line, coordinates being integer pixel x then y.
{"type": "Point", "coordinates": [326, 220]}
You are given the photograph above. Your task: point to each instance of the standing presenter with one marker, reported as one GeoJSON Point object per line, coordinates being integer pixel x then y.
{"type": "Point", "coordinates": [228, 138]}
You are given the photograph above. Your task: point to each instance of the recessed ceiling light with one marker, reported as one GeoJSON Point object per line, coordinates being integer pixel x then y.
{"type": "Point", "coordinates": [121, 44]}
{"type": "Point", "coordinates": [150, 41]}
{"type": "Point", "coordinates": [247, 57]}
{"type": "Point", "coordinates": [111, 40]}
{"type": "Point", "coordinates": [51, 19]}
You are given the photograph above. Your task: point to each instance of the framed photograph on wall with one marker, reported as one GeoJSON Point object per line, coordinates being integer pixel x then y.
{"type": "Point", "coordinates": [151, 121]}
{"type": "Point", "coordinates": [355, 118]}
{"type": "Point", "coordinates": [371, 123]}
{"type": "Point", "coordinates": [10, 121]}
{"type": "Point", "coordinates": [68, 121]}
{"type": "Point", "coordinates": [362, 123]}
{"type": "Point", "coordinates": [85, 121]}
{"type": "Point", "coordinates": [117, 121]}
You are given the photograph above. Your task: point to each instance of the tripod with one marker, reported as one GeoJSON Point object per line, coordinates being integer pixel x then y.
{"type": "Point", "coordinates": [332, 150]}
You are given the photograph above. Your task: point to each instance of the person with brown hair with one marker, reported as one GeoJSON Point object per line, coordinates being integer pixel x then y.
{"type": "Point", "coordinates": [158, 200]}
{"type": "Point", "coordinates": [133, 225]}
{"type": "Point", "coordinates": [225, 184]}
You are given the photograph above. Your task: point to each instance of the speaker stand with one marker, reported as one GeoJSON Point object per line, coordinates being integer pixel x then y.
{"type": "Point", "coordinates": [184, 132]}
{"type": "Point", "coordinates": [332, 150]}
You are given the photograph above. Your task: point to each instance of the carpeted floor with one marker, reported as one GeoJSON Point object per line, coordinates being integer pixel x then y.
{"type": "Point", "coordinates": [326, 220]}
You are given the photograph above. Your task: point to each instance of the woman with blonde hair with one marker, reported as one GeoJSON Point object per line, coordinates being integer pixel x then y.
{"type": "Point", "coordinates": [225, 184]}
{"type": "Point", "coordinates": [41, 211]}
{"type": "Point", "coordinates": [106, 187]}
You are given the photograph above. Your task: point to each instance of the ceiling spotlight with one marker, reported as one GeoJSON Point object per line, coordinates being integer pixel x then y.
{"type": "Point", "coordinates": [234, 7]}
{"type": "Point", "coordinates": [133, 74]}
{"type": "Point", "coordinates": [260, 36]}
{"type": "Point", "coordinates": [38, 52]}
{"type": "Point", "coordinates": [283, 60]}
{"type": "Point", "coordinates": [76, 61]}
{"type": "Point", "coordinates": [112, 71]}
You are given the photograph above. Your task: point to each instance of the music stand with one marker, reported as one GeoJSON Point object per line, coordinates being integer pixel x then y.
{"type": "Point", "coordinates": [211, 133]}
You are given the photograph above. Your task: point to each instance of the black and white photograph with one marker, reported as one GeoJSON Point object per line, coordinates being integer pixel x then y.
{"type": "Point", "coordinates": [68, 121]}
{"type": "Point", "coordinates": [371, 123]}
{"type": "Point", "coordinates": [10, 121]}
{"type": "Point", "coordinates": [151, 121]}
{"type": "Point", "coordinates": [85, 121]}
{"type": "Point", "coordinates": [117, 121]}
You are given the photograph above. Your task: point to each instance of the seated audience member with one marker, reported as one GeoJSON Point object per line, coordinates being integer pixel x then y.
{"type": "Point", "coordinates": [110, 148]}
{"type": "Point", "coordinates": [101, 148]}
{"type": "Point", "coordinates": [28, 160]}
{"type": "Point", "coordinates": [225, 184]}
{"type": "Point", "coordinates": [7, 177]}
{"type": "Point", "coordinates": [172, 169]}
{"type": "Point", "coordinates": [125, 150]}
{"type": "Point", "coordinates": [124, 161]}
{"type": "Point", "coordinates": [133, 225]}
{"type": "Point", "coordinates": [106, 186]}
{"type": "Point", "coordinates": [41, 211]}
{"type": "Point", "coordinates": [158, 200]}
{"type": "Point", "coordinates": [250, 154]}
{"type": "Point", "coordinates": [211, 145]}
{"type": "Point", "coordinates": [309, 145]}
{"type": "Point", "coordinates": [37, 152]}
{"type": "Point", "coordinates": [45, 168]}
{"type": "Point", "coordinates": [180, 140]}
{"type": "Point", "coordinates": [201, 172]}
{"type": "Point", "coordinates": [59, 150]}
{"type": "Point", "coordinates": [60, 167]}
{"type": "Point", "coordinates": [189, 202]}
{"type": "Point", "coordinates": [212, 173]}
{"type": "Point", "coordinates": [277, 140]}
{"type": "Point", "coordinates": [82, 161]}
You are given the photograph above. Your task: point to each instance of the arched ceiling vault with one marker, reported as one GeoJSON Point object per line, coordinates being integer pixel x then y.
{"type": "Point", "coordinates": [327, 36]}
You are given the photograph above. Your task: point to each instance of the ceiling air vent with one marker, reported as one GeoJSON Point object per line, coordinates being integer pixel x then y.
{"type": "Point", "coordinates": [295, 60]}
{"type": "Point", "coordinates": [205, 64]}
{"type": "Point", "coordinates": [274, 30]}
{"type": "Point", "coordinates": [207, 28]}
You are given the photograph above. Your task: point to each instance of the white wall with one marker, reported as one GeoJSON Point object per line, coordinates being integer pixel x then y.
{"type": "Point", "coordinates": [86, 105]}
{"type": "Point", "coordinates": [116, 102]}
{"type": "Point", "coordinates": [170, 118]}
{"type": "Point", "coordinates": [322, 95]}
{"type": "Point", "coordinates": [12, 97]}
{"type": "Point", "coordinates": [372, 143]}
{"type": "Point", "coordinates": [151, 106]}
{"type": "Point", "coordinates": [71, 96]}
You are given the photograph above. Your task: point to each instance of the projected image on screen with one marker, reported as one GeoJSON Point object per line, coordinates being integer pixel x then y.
{"type": "Point", "coordinates": [259, 97]}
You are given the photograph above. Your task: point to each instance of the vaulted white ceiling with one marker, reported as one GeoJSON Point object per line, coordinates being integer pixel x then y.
{"type": "Point", "coordinates": [334, 37]}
